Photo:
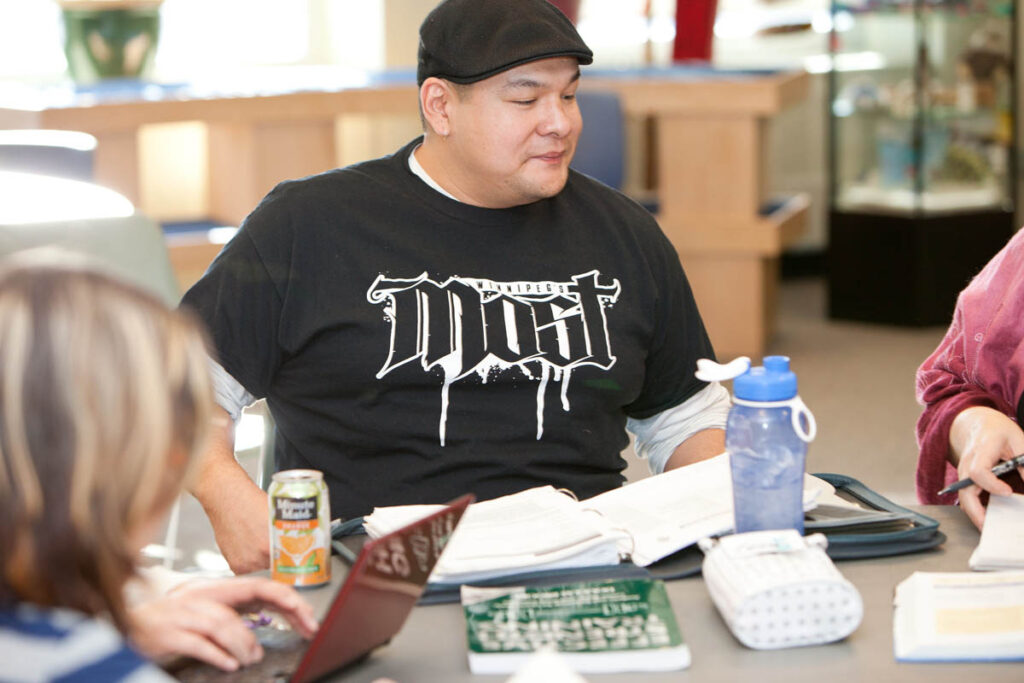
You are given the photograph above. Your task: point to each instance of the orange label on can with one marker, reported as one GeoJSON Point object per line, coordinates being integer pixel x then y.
{"type": "Point", "coordinates": [299, 542]}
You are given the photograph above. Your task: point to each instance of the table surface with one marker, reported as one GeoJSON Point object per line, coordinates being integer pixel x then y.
{"type": "Point", "coordinates": [432, 645]}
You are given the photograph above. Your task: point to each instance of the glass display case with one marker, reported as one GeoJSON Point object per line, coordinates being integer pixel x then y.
{"type": "Point", "coordinates": [922, 137]}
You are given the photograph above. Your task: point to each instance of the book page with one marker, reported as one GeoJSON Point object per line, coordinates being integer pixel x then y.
{"type": "Point", "coordinates": [673, 510]}
{"type": "Point", "coordinates": [1002, 537]}
{"type": "Point", "coordinates": [536, 528]}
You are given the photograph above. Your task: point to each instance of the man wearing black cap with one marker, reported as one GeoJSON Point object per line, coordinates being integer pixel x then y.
{"type": "Point", "coordinates": [467, 314]}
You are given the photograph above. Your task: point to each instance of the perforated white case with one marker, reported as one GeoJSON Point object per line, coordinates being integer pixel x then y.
{"type": "Point", "coordinates": [777, 589]}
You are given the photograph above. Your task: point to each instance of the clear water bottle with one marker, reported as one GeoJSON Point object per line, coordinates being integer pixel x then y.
{"type": "Point", "coordinates": [766, 436]}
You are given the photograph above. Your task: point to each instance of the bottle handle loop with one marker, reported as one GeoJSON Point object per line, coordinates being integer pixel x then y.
{"type": "Point", "coordinates": [799, 413]}
{"type": "Point", "coordinates": [800, 410]}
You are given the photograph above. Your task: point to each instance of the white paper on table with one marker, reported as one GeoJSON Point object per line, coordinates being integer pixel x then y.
{"type": "Point", "coordinates": [1002, 536]}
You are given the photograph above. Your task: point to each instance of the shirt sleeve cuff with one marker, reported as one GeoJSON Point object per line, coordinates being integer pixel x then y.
{"type": "Point", "coordinates": [658, 436]}
{"type": "Point", "coordinates": [228, 392]}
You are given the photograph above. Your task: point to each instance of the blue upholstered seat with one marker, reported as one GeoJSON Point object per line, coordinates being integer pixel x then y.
{"type": "Point", "coordinates": [601, 150]}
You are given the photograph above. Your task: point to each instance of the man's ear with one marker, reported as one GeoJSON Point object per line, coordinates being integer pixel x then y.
{"type": "Point", "coordinates": [436, 96]}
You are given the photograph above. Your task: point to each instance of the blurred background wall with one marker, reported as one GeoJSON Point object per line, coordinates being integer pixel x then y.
{"type": "Point", "coordinates": [256, 40]}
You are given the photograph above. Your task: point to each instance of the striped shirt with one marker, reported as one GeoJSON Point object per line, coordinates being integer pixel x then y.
{"type": "Point", "coordinates": [42, 644]}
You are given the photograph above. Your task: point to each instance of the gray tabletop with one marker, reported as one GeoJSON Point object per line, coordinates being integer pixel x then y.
{"type": "Point", "coordinates": [432, 644]}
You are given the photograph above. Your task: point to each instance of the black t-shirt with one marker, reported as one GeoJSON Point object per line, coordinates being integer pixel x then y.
{"type": "Point", "coordinates": [414, 348]}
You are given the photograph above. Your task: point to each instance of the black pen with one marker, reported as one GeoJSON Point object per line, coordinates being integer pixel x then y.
{"type": "Point", "coordinates": [999, 470]}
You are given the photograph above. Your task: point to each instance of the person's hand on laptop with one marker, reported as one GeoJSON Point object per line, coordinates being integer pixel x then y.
{"type": "Point", "coordinates": [202, 620]}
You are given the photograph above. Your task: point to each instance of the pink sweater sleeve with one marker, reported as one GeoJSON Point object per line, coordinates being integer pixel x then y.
{"type": "Point", "coordinates": [978, 363]}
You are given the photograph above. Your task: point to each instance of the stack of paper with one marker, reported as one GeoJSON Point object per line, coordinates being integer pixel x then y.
{"type": "Point", "coordinates": [1002, 538]}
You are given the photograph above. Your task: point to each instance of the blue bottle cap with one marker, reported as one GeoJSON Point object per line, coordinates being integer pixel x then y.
{"type": "Point", "coordinates": [771, 382]}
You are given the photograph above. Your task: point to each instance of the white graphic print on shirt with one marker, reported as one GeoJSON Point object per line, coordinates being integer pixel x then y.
{"type": "Point", "coordinates": [474, 325]}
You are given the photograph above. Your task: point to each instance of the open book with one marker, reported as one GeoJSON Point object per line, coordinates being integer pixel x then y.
{"type": "Point", "coordinates": [544, 528]}
{"type": "Point", "coordinates": [959, 616]}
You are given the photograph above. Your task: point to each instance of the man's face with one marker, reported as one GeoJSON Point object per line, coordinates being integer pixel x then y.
{"type": "Point", "coordinates": [513, 135]}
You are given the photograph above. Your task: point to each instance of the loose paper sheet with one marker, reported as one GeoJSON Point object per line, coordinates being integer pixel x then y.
{"type": "Point", "coordinates": [1002, 537]}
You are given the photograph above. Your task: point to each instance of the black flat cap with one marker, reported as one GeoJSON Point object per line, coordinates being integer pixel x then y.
{"type": "Point", "coordinates": [465, 41]}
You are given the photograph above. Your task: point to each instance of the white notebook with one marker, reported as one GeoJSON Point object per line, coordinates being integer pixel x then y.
{"type": "Point", "coordinates": [1002, 537]}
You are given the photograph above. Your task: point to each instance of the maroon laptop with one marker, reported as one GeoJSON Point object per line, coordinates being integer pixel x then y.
{"type": "Point", "coordinates": [380, 590]}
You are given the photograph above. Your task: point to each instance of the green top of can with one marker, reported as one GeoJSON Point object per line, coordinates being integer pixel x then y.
{"type": "Point", "coordinates": [298, 475]}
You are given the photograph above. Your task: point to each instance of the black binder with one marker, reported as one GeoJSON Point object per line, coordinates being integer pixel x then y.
{"type": "Point", "coordinates": [917, 532]}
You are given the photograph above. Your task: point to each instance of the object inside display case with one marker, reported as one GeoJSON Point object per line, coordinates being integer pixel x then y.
{"type": "Point", "coordinates": [921, 138]}
{"type": "Point", "coordinates": [924, 124]}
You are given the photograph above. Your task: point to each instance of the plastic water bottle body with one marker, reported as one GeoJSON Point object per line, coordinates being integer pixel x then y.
{"type": "Point", "coordinates": [766, 435]}
{"type": "Point", "coordinates": [767, 461]}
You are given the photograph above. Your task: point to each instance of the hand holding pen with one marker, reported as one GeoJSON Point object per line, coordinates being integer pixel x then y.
{"type": "Point", "coordinates": [1002, 468]}
{"type": "Point", "coordinates": [980, 438]}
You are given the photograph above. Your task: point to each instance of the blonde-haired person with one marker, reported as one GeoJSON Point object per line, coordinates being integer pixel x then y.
{"type": "Point", "coordinates": [104, 405]}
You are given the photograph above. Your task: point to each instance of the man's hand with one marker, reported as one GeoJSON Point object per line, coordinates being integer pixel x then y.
{"type": "Point", "coordinates": [241, 525]}
{"type": "Point", "coordinates": [237, 508]}
{"type": "Point", "coordinates": [201, 620]}
{"type": "Point", "coordinates": [979, 439]}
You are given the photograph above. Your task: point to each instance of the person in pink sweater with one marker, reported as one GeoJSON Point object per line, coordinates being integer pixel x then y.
{"type": "Point", "coordinates": [971, 389]}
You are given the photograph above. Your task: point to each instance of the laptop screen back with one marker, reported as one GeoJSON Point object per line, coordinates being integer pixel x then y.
{"type": "Point", "coordinates": [380, 591]}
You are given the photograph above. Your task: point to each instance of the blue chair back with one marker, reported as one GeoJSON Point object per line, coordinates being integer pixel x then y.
{"type": "Point", "coordinates": [601, 150]}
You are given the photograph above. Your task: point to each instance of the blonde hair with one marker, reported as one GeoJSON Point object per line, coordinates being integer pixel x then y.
{"type": "Point", "coordinates": [105, 400]}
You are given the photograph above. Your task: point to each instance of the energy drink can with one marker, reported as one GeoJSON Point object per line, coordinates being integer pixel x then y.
{"type": "Point", "coordinates": [300, 528]}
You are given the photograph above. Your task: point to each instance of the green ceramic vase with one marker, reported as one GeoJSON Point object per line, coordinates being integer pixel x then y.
{"type": "Point", "coordinates": [110, 39]}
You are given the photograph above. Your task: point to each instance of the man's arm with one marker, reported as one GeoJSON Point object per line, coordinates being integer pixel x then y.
{"type": "Point", "coordinates": [701, 446]}
{"type": "Point", "coordinates": [686, 433]}
{"type": "Point", "coordinates": [237, 508]}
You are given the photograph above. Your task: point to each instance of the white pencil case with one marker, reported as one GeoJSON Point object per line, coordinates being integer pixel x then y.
{"type": "Point", "coordinates": [777, 589]}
